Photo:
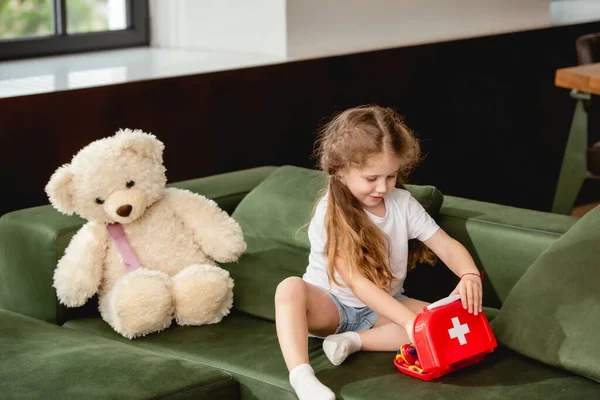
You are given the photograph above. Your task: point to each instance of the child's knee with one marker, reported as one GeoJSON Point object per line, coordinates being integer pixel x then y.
{"type": "Point", "coordinates": [292, 288]}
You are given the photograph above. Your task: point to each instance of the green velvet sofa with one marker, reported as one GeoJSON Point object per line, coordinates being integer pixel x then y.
{"type": "Point", "coordinates": [48, 351]}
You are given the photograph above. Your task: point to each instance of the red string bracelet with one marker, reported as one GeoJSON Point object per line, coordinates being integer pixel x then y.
{"type": "Point", "coordinates": [473, 273]}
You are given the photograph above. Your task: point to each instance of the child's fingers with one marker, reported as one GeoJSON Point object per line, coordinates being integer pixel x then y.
{"type": "Point", "coordinates": [463, 295]}
{"type": "Point", "coordinates": [476, 300]}
{"type": "Point", "coordinates": [470, 297]}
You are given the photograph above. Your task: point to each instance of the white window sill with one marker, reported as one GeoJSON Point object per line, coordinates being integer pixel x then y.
{"type": "Point", "coordinates": [52, 74]}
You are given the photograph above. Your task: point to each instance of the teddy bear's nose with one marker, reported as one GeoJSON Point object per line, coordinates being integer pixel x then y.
{"type": "Point", "coordinates": [124, 211]}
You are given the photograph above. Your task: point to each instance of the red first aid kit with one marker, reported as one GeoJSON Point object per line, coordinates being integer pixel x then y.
{"type": "Point", "coordinates": [446, 338]}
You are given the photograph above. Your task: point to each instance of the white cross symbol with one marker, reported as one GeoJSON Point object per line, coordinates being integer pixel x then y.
{"type": "Point", "coordinates": [459, 331]}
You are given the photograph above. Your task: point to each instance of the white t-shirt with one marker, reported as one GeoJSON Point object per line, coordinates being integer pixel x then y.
{"type": "Point", "coordinates": [405, 219]}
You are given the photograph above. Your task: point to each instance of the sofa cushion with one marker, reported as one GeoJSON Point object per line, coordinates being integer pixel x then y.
{"type": "Point", "coordinates": [41, 360]}
{"type": "Point", "coordinates": [247, 347]}
{"type": "Point", "coordinates": [274, 218]}
{"type": "Point", "coordinates": [553, 312]}
{"type": "Point", "coordinates": [258, 272]}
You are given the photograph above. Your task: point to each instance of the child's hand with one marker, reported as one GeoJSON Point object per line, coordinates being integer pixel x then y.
{"type": "Point", "coordinates": [409, 329]}
{"type": "Point", "coordinates": [471, 293]}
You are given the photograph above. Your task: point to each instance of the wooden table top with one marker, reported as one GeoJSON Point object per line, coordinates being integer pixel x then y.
{"type": "Point", "coordinates": [585, 78]}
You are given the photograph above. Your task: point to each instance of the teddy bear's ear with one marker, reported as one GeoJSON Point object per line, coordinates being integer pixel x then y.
{"type": "Point", "coordinates": [60, 190]}
{"type": "Point", "coordinates": [144, 144]}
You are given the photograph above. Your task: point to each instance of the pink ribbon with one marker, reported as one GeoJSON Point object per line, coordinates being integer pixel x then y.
{"type": "Point", "coordinates": [117, 234]}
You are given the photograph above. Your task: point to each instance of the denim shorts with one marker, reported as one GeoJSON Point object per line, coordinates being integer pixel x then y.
{"type": "Point", "coordinates": [355, 319]}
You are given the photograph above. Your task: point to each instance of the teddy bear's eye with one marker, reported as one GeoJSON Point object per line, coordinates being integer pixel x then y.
{"type": "Point", "coordinates": [99, 200]}
{"type": "Point", "coordinates": [130, 184]}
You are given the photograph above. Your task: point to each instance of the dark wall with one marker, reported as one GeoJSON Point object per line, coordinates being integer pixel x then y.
{"type": "Point", "coordinates": [492, 122]}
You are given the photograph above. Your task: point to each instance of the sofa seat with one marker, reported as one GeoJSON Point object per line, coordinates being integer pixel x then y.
{"type": "Point", "coordinates": [240, 344]}
{"type": "Point", "coordinates": [45, 361]}
{"type": "Point", "coordinates": [503, 374]}
{"type": "Point", "coordinates": [254, 359]}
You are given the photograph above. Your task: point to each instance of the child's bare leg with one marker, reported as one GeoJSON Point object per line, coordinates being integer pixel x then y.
{"type": "Point", "coordinates": [386, 335]}
{"type": "Point", "coordinates": [300, 306]}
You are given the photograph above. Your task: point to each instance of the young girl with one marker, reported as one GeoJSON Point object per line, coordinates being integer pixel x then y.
{"type": "Point", "coordinates": [352, 291]}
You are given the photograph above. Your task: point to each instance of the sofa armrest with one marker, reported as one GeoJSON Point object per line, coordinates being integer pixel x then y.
{"type": "Point", "coordinates": [503, 240]}
{"type": "Point", "coordinates": [33, 240]}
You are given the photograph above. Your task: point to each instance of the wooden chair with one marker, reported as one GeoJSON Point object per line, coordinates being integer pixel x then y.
{"type": "Point", "coordinates": [581, 161]}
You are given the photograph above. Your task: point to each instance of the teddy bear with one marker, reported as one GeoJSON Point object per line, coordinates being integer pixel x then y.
{"type": "Point", "coordinates": [148, 251]}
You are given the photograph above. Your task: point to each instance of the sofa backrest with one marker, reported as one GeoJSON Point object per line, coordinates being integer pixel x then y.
{"type": "Point", "coordinates": [33, 240]}
{"type": "Point", "coordinates": [503, 240]}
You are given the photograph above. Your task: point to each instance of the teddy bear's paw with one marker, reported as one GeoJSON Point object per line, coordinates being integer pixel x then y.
{"type": "Point", "coordinates": [203, 294]}
{"type": "Point", "coordinates": [141, 303]}
{"type": "Point", "coordinates": [230, 247]}
{"type": "Point", "coordinates": [71, 295]}
{"type": "Point", "coordinates": [74, 284]}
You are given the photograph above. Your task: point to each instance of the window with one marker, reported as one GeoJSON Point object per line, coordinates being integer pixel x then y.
{"type": "Point", "coordinates": [31, 28]}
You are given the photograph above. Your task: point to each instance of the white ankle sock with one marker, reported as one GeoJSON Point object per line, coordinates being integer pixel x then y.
{"type": "Point", "coordinates": [307, 386]}
{"type": "Point", "coordinates": [338, 347]}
